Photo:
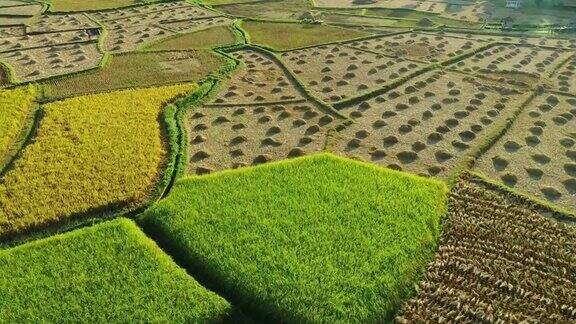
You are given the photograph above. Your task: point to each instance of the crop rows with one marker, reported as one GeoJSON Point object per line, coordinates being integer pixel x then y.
{"type": "Point", "coordinates": [259, 116]}
{"type": "Point", "coordinates": [336, 72]}
{"type": "Point", "coordinates": [428, 125]}
{"type": "Point", "coordinates": [500, 260]}
{"type": "Point", "coordinates": [538, 153]}
{"type": "Point", "coordinates": [89, 157]}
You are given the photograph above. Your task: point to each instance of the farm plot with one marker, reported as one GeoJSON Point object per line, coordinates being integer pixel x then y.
{"type": "Point", "coordinates": [154, 12]}
{"type": "Point", "coordinates": [109, 272]}
{"type": "Point", "coordinates": [417, 46]}
{"type": "Point", "coordinates": [275, 10]}
{"type": "Point", "coordinates": [182, 26]}
{"type": "Point", "coordinates": [336, 72]}
{"type": "Point", "coordinates": [520, 65]}
{"type": "Point", "coordinates": [92, 155]}
{"type": "Point", "coordinates": [137, 70]}
{"type": "Point", "coordinates": [16, 107]}
{"type": "Point", "coordinates": [60, 22]}
{"type": "Point", "coordinates": [207, 38]}
{"type": "Point", "coordinates": [134, 27]}
{"type": "Point", "coordinates": [12, 31]}
{"type": "Point", "coordinates": [12, 44]}
{"type": "Point", "coordinates": [261, 81]}
{"type": "Point", "coordinates": [559, 43]}
{"type": "Point", "coordinates": [232, 137]}
{"type": "Point", "coordinates": [538, 153]}
{"type": "Point", "coordinates": [74, 5]}
{"type": "Point", "coordinates": [314, 239]}
{"type": "Point", "coordinates": [23, 9]}
{"type": "Point", "coordinates": [427, 126]}
{"type": "Point", "coordinates": [499, 260]}
{"type": "Point", "coordinates": [565, 78]}
{"type": "Point", "coordinates": [296, 35]}
{"type": "Point", "coordinates": [43, 62]}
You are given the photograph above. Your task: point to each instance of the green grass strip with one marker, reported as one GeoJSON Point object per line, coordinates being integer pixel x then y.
{"type": "Point", "coordinates": [110, 272]}
{"type": "Point", "coordinates": [314, 239]}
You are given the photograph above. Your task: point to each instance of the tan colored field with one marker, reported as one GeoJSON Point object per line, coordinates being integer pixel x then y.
{"type": "Point", "coordinates": [565, 78]}
{"type": "Point", "coordinates": [74, 5]}
{"type": "Point", "coordinates": [500, 260]}
{"type": "Point", "coordinates": [44, 62]}
{"type": "Point", "coordinates": [237, 136]}
{"type": "Point", "coordinates": [520, 39]}
{"type": "Point", "coordinates": [537, 154]}
{"type": "Point", "coordinates": [428, 125]}
{"type": "Point", "coordinates": [430, 48]}
{"type": "Point", "coordinates": [41, 40]}
{"type": "Point", "coordinates": [336, 72]}
{"type": "Point", "coordinates": [60, 22]}
{"type": "Point", "coordinates": [522, 64]}
{"type": "Point", "coordinates": [261, 81]}
{"type": "Point", "coordinates": [183, 26]}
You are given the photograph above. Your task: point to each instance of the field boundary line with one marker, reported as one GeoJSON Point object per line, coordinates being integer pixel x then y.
{"type": "Point", "coordinates": [549, 210]}
{"type": "Point", "coordinates": [486, 142]}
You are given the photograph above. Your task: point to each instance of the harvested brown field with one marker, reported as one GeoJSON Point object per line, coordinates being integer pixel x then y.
{"type": "Point", "coordinates": [519, 39]}
{"type": "Point", "coordinates": [427, 126]}
{"type": "Point", "coordinates": [237, 136]}
{"type": "Point", "coordinates": [207, 38]}
{"type": "Point", "coordinates": [15, 43]}
{"type": "Point", "coordinates": [132, 28]}
{"type": "Point", "coordinates": [565, 78]}
{"type": "Point", "coordinates": [418, 46]}
{"type": "Point", "coordinates": [336, 72]}
{"type": "Point", "coordinates": [537, 154]}
{"type": "Point", "coordinates": [500, 260]}
{"type": "Point", "coordinates": [43, 62]}
{"type": "Point", "coordinates": [522, 65]}
{"type": "Point", "coordinates": [261, 80]}
{"type": "Point", "coordinates": [60, 22]}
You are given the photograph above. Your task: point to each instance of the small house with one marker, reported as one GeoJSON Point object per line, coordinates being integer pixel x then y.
{"type": "Point", "coordinates": [513, 4]}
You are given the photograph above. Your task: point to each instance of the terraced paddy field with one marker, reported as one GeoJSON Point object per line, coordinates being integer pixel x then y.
{"type": "Point", "coordinates": [286, 161]}
{"type": "Point", "coordinates": [313, 239]}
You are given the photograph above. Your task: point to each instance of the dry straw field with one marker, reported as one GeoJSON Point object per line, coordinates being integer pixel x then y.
{"type": "Point", "coordinates": [296, 161]}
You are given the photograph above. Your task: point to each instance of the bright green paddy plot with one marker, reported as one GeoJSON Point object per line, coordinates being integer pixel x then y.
{"type": "Point", "coordinates": [314, 239]}
{"type": "Point", "coordinates": [108, 273]}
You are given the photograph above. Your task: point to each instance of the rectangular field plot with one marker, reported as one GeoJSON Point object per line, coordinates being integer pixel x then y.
{"type": "Point", "coordinates": [428, 125]}
{"type": "Point", "coordinates": [566, 43]}
{"type": "Point", "coordinates": [318, 239]}
{"type": "Point", "coordinates": [132, 28]}
{"type": "Point", "coordinates": [91, 156]}
{"type": "Point", "coordinates": [121, 40]}
{"type": "Point", "coordinates": [61, 22]}
{"type": "Point", "coordinates": [154, 12]}
{"type": "Point", "coordinates": [42, 40]}
{"type": "Point", "coordinates": [196, 24]}
{"type": "Point", "coordinates": [523, 65]}
{"type": "Point", "coordinates": [537, 154]}
{"type": "Point", "coordinates": [565, 78]}
{"type": "Point", "coordinates": [44, 62]}
{"type": "Point", "coordinates": [427, 47]}
{"type": "Point", "coordinates": [336, 72]}
{"type": "Point", "coordinates": [137, 70]}
{"type": "Point", "coordinates": [26, 10]}
{"type": "Point", "coordinates": [231, 137]}
{"type": "Point", "coordinates": [106, 273]}
{"type": "Point", "coordinates": [262, 80]}
{"type": "Point", "coordinates": [500, 260]}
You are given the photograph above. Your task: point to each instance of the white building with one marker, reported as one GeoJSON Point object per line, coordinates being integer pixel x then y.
{"type": "Point", "coordinates": [514, 4]}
